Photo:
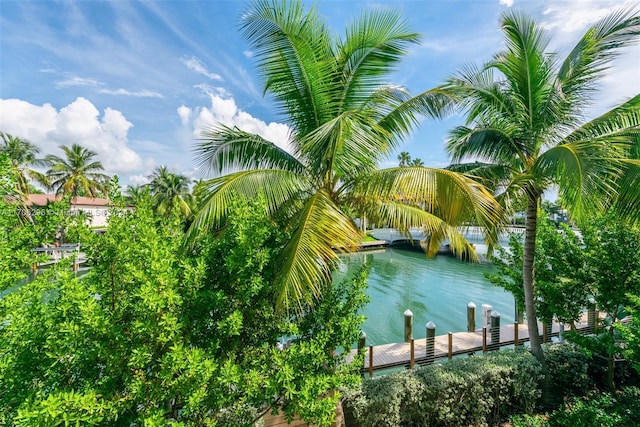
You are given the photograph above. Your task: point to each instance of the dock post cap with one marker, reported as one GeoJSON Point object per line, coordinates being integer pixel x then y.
{"type": "Point", "coordinates": [486, 306]}
{"type": "Point", "coordinates": [408, 313]}
{"type": "Point", "coordinates": [431, 325]}
{"type": "Point", "coordinates": [471, 305]}
{"type": "Point", "coordinates": [363, 334]}
{"type": "Point", "coordinates": [495, 314]}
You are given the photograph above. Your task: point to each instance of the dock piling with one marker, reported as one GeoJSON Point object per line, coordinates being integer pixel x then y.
{"type": "Point", "coordinates": [471, 317]}
{"type": "Point", "coordinates": [431, 338]}
{"type": "Point", "coordinates": [362, 341]}
{"type": "Point", "coordinates": [495, 329]}
{"type": "Point", "coordinates": [408, 326]}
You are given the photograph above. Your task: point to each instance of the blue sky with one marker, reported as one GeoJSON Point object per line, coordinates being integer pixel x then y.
{"type": "Point", "coordinates": [137, 81]}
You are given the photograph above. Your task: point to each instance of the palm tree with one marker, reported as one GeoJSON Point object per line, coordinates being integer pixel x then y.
{"type": "Point", "coordinates": [136, 194]}
{"type": "Point", "coordinates": [343, 121]}
{"type": "Point", "coordinates": [417, 162]}
{"type": "Point", "coordinates": [76, 174]}
{"type": "Point", "coordinates": [404, 158]}
{"type": "Point", "coordinates": [525, 128]}
{"type": "Point", "coordinates": [22, 155]}
{"type": "Point", "coordinates": [170, 191]}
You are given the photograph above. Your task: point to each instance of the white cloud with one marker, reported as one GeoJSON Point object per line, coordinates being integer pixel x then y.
{"type": "Point", "coordinates": [79, 123]}
{"type": "Point", "coordinates": [185, 114]}
{"type": "Point", "coordinates": [225, 111]}
{"type": "Point", "coordinates": [248, 53]}
{"type": "Point", "coordinates": [572, 16]}
{"type": "Point", "coordinates": [507, 3]}
{"type": "Point", "coordinates": [137, 94]}
{"type": "Point", "coordinates": [194, 64]}
{"type": "Point", "coordinates": [77, 81]}
{"type": "Point", "coordinates": [138, 179]}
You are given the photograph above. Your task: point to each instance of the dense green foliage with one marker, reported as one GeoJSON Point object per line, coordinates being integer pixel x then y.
{"type": "Point", "coordinates": [480, 390]}
{"type": "Point", "coordinates": [468, 391]}
{"type": "Point", "coordinates": [559, 259]}
{"type": "Point", "coordinates": [150, 337]}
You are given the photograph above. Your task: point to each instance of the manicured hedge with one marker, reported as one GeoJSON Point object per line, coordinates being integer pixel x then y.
{"type": "Point", "coordinates": [478, 390]}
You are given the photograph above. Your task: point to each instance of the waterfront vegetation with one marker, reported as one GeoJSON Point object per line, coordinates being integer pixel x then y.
{"type": "Point", "coordinates": [214, 306]}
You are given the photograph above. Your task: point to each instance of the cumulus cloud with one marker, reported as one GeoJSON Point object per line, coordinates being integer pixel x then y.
{"type": "Point", "coordinates": [225, 111]}
{"type": "Point", "coordinates": [507, 3]}
{"type": "Point", "coordinates": [194, 64]}
{"type": "Point", "coordinates": [248, 53]}
{"type": "Point", "coordinates": [79, 123]}
{"type": "Point", "coordinates": [137, 94]}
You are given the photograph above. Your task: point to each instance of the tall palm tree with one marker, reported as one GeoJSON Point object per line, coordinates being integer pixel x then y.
{"type": "Point", "coordinates": [77, 174]}
{"type": "Point", "coordinates": [22, 155]}
{"type": "Point", "coordinates": [525, 130]}
{"type": "Point", "coordinates": [344, 119]}
{"type": "Point", "coordinates": [417, 162]}
{"type": "Point", "coordinates": [171, 191]}
{"type": "Point", "coordinates": [404, 158]}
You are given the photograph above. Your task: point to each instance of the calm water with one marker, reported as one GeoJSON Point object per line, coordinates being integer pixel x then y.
{"type": "Point", "coordinates": [436, 290]}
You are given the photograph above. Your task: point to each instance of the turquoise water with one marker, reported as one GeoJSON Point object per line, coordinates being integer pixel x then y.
{"type": "Point", "coordinates": [436, 290]}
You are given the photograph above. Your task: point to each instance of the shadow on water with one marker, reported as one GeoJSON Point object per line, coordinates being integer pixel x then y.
{"type": "Point", "coordinates": [435, 290]}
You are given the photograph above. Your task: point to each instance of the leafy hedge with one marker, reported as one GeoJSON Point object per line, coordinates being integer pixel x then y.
{"type": "Point", "coordinates": [479, 390]}
{"type": "Point", "coordinates": [470, 391]}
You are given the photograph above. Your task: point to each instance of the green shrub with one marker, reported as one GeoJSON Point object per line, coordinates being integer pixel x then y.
{"type": "Point", "coordinates": [567, 365]}
{"type": "Point", "coordinates": [470, 391]}
{"type": "Point", "coordinates": [529, 421]}
{"type": "Point", "coordinates": [605, 410]}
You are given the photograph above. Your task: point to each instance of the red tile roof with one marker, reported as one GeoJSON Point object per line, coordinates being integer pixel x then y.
{"type": "Point", "coordinates": [43, 199]}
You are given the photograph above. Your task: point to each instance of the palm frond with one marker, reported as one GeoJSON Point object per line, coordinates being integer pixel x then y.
{"type": "Point", "coordinates": [293, 51]}
{"type": "Point", "coordinates": [223, 148]}
{"type": "Point", "coordinates": [585, 173]}
{"type": "Point", "coordinates": [371, 49]}
{"type": "Point", "coordinates": [588, 60]}
{"type": "Point", "coordinates": [454, 198]}
{"type": "Point", "coordinates": [276, 186]}
{"type": "Point", "coordinates": [317, 231]}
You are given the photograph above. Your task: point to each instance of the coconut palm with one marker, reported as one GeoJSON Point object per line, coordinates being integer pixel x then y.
{"type": "Point", "coordinates": [170, 191]}
{"type": "Point", "coordinates": [417, 162]}
{"type": "Point", "coordinates": [343, 120]}
{"type": "Point", "coordinates": [525, 129]}
{"type": "Point", "coordinates": [77, 174]}
{"type": "Point", "coordinates": [404, 158]}
{"type": "Point", "coordinates": [136, 194]}
{"type": "Point", "coordinates": [22, 155]}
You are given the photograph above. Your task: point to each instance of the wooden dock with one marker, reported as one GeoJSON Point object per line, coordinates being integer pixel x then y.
{"type": "Point", "coordinates": [396, 355]}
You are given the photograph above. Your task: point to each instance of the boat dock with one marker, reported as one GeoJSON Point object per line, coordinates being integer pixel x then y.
{"type": "Point", "coordinates": [428, 350]}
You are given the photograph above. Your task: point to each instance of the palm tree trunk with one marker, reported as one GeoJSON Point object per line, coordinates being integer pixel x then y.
{"type": "Point", "coordinates": [528, 273]}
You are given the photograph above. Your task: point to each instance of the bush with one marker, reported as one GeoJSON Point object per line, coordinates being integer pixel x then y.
{"type": "Point", "coordinates": [606, 410]}
{"type": "Point", "coordinates": [567, 365]}
{"type": "Point", "coordinates": [471, 391]}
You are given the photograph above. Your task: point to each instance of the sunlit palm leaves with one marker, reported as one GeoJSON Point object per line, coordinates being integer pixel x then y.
{"type": "Point", "coordinates": [77, 174]}
{"type": "Point", "coordinates": [344, 118]}
{"type": "Point", "coordinates": [22, 156]}
{"type": "Point", "coordinates": [170, 192]}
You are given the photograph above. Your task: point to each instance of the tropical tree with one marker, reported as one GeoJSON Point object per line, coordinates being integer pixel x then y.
{"type": "Point", "coordinates": [22, 155]}
{"type": "Point", "coordinates": [136, 194]}
{"type": "Point", "coordinates": [404, 158]}
{"type": "Point", "coordinates": [77, 174]}
{"type": "Point", "coordinates": [170, 191]}
{"type": "Point", "coordinates": [525, 128]}
{"type": "Point", "coordinates": [417, 162]}
{"type": "Point", "coordinates": [343, 120]}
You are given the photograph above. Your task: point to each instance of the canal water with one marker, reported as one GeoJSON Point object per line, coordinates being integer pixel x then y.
{"type": "Point", "coordinates": [436, 290]}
